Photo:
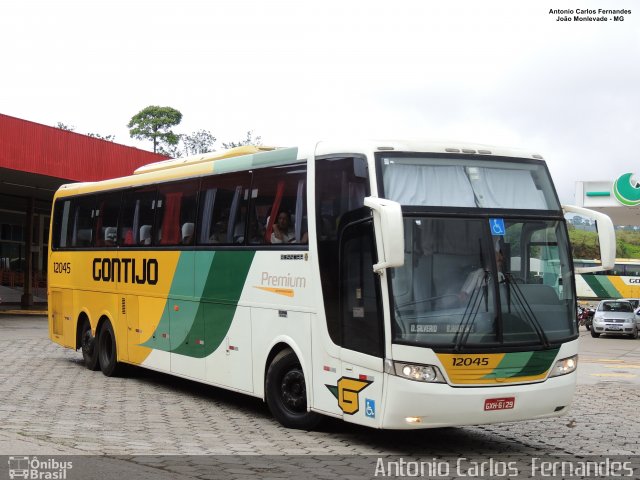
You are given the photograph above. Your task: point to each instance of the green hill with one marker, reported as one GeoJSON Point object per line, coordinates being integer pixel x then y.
{"type": "Point", "coordinates": [585, 244]}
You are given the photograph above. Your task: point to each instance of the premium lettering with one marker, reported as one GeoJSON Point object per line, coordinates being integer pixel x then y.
{"type": "Point", "coordinates": [282, 281]}
{"type": "Point", "coordinates": [126, 270]}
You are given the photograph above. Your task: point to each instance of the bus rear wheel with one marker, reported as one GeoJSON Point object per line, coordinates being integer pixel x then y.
{"type": "Point", "coordinates": [286, 393]}
{"type": "Point", "coordinates": [107, 351]}
{"type": "Point", "coordinates": [89, 346]}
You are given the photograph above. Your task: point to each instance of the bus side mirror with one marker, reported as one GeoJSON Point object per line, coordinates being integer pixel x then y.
{"type": "Point", "coordinates": [387, 216]}
{"type": "Point", "coordinates": [606, 238]}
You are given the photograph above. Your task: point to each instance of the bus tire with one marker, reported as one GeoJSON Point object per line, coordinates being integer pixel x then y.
{"type": "Point", "coordinates": [107, 351]}
{"type": "Point", "coordinates": [89, 346]}
{"type": "Point", "coordinates": [286, 392]}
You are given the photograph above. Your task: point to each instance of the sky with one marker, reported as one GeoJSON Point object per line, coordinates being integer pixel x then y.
{"type": "Point", "coordinates": [495, 72]}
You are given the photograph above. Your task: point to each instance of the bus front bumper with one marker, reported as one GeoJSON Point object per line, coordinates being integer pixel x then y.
{"type": "Point", "coordinates": [413, 405]}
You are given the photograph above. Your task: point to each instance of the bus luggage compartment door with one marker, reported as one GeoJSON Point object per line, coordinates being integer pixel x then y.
{"type": "Point", "coordinates": [62, 329]}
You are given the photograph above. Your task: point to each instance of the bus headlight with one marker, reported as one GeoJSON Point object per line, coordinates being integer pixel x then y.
{"type": "Point", "coordinates": [564, 366]}
{"type": "Point", "coordinates": [419, 373]}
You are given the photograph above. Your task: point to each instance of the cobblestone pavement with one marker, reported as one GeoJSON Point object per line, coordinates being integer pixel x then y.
{"type": "Point", "coordinates": [49, 399]}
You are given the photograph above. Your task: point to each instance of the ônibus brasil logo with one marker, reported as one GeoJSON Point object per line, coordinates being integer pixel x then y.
{"type": "Point", "coordinates": [627, 190]}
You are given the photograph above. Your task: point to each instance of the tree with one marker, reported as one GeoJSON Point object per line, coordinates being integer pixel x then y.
{"type": "Point", "coordinates": [154, 123]}
{"type": "Point", "coordinates": [172, 151]}
{"type": "Point", "coordinates": [198, 142]}
{"type": "Point", "coordinates": [247, 141]}
{"type": "Point", "coordinates": [62, 126]}
{"type": "Point", "coordinates": [108, 138]}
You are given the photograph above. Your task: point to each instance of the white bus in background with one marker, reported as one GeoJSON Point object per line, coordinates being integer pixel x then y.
{"type": "Point", "coordinates": [414, 292]}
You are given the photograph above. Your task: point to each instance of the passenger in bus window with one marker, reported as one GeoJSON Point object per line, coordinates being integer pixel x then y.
{"type": "Point", "coordinates": [256, 232]}
{"type": "Point", "coordinates": [219, 234]}
{"type": "Point", "coordinates": [283, 231]}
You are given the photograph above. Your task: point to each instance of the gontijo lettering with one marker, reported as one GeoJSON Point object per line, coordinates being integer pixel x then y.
{"type": "Point", "coordinates": [125, 270]}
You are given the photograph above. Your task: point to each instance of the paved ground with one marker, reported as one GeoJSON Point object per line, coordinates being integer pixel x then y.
{"type": "Point", "coordinates": [50, 404]}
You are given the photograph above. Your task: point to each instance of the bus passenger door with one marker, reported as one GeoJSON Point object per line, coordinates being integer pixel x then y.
{"type": "Point", "coordinates": [362, 329]}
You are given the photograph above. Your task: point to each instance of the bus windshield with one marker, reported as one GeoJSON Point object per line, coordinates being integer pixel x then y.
{"type": "Point", "coordinates": [461, 286]}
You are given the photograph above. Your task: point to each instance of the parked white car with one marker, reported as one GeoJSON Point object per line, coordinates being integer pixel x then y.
{"type": "Point", "coordinates": [635, 303]}
{"type": "Point", "coordinates": [616, 317]}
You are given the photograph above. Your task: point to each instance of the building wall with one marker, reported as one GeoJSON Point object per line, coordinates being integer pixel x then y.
{"type": "Point", "coordinates": [34, 160]}
{"type": "Point", "coordinates": [30, 147]}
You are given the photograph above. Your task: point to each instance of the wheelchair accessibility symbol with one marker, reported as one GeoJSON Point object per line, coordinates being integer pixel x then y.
{"type": "Point", "coordinates": [497, 226]}
{"type": "Point", "coordinates": [370, 408]}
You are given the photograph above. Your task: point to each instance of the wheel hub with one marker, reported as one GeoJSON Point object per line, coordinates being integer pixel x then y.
{"type": "Point", "coordinates": [293, 390]}
{"type": "Point", "coordinates": [88, 342]}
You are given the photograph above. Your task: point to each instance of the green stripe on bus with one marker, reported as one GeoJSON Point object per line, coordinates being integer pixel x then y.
{"type": "Point", "coordinates": [524, 364]}
{"type": "Point", "coordinates": [209, 319]}
{"type": "Point", "coordinates": [181, 288]}
{"type": "Point", "coordinates": [601, 286]}
{"type": "Point", "coordinates": [598, 194]}
{"type": "Point", "coordinates": [539, 362]}
{"type": "Point", "coordinates": [272, 158]}
{"type": "Point", "coordinates": [225, 282]}
{"type": "Point", "coordinates": [510, 365]}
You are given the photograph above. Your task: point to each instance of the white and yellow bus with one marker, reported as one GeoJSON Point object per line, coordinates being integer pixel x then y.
{"type": "Point", "coordinates": [367, 314]}
{"type": "Point", "coordinates": [622, 281]}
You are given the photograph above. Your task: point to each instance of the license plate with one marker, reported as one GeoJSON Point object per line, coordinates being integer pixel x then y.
{"type": "Point", "coordinates": [505, 403]}
{"type": "Point", "coordinates": [614, 327]}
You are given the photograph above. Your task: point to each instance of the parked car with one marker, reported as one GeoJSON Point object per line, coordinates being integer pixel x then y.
{"type": "Point", "coordinates": [635, 303]}
{"type": "Point", "coordinates": [614, 316]}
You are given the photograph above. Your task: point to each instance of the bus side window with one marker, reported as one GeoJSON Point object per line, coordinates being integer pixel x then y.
{"type": "Point", "coordinates": [61, 222]}
{"type": "Point", "coordinates": [223, 198]}
{"type": "Point", "coordinates": [106, 221]}
{"type": "Point", "coordinates": [138, 210]}
{"type": "Point", "coordinates": [342, 183]}
{"type": "Point", "coordinates": [279, 191]}
{"type": "Point", "coordinates": [362, 325]}
{"type": "Point", "coordinates": [177, 210]}
{"type": "Point", "coordinates": [83, 211]}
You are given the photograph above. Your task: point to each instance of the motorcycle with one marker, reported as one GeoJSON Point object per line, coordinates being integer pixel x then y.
{"type": "Point", "coordinates": [585, 317]}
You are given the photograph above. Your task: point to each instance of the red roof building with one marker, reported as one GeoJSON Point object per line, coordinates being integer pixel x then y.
{"type": "Point", "coordinates": [35, 160]}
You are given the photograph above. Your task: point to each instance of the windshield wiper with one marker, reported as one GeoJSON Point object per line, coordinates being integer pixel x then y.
{"type": "Point", "coordinates": [470, 314]}
{"type": "Point", "coordinates": [525, 308]}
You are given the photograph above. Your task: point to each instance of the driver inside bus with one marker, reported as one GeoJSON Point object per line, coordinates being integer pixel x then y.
{"type": "Point", "coordinates": [478, 278]}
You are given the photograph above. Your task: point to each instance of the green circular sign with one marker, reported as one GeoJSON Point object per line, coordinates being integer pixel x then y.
{"type": "Point", "coordinates": [626, 192]}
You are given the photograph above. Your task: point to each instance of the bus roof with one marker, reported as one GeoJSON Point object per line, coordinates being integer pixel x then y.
{"type": "Point", "coordinates": [201, 158]}
{"type": "Point", "coordinates": [233, 160]}
{"type": "Point", "coordinates": [249, 157]}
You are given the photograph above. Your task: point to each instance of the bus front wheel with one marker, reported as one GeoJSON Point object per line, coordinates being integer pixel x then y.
{"type": "Point", "coordinates": [107, 352]}
{"type": "Point", "coordinates": [89, 346]}
{"type": "Point", "coordinates": [286, 392]}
